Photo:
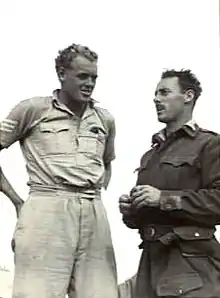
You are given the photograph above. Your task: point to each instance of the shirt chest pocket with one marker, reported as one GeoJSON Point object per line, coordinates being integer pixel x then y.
{"type": "Point", "coordinates": [55, 139]}
{"type": "Point", "coordinates": [181, 171]}
{"type": "Point", "coordinates": [92, 142]}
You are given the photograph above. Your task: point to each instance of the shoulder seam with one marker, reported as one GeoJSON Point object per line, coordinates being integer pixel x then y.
{"type": "Point", "coordinates": [208, 131]}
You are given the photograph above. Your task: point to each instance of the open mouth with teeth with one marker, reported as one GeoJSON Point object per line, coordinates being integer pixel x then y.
{"type": "Point", "coordinates": [86, 92]}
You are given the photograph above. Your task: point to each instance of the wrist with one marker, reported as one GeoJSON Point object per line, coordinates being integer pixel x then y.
{"type": "Point", "coordinates": [170, 201]}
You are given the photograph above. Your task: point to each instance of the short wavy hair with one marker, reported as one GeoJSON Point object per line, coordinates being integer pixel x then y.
{"type": "Point", "coordinates": [67, 55]}
{"type": "Point", "coordinates": [187, 80]}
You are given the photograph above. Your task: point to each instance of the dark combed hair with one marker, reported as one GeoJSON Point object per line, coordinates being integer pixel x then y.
{"type": "Point", "coordinates": [187, 80]}
{"type": "Point", "coordinates": [67, 55]}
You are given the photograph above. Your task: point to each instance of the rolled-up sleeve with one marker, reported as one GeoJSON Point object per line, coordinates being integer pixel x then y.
{"type": "Point", "coordinates": [19, 121]}
{"type": "Point", "coordinates": [109, 154]}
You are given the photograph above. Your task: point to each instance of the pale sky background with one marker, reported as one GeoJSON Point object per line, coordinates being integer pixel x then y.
{"type": "Point", "coordinates": [136, 40]}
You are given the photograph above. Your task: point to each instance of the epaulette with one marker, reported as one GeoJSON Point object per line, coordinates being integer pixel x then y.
{"type": "Point", "coordinates": [208, 131]}
{"type": "Point", "coordinates": [144, 160]}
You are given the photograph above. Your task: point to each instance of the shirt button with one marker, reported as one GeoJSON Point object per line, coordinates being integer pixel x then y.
{"type": "Point", "coordinates": [179, 291]}
{"type": "Point", "coordinates": [197, 234]}
{"type": "Point", "coordinates": [151, 231]}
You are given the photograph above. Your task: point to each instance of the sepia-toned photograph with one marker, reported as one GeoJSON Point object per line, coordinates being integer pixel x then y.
{"type": "Point", "coordinates": [110, 149]}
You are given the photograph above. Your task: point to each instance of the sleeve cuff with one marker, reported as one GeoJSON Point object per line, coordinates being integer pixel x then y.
{"type": "Point", "coordinates": [129, 221]}
{"type": "Point", "coordinates": [170, 201]}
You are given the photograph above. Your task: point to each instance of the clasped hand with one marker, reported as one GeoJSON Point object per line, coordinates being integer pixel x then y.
{"type": "Point", "coordinates": [140, 196]}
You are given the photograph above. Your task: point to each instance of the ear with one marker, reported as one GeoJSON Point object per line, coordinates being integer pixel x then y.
{"type": "Point", "coordinates": [61, 74]}
{"type": "Point", "coordinates": [189, 96]}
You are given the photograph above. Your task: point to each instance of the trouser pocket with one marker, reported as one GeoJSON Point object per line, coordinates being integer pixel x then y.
{"type": "Point", "coordinates": [179, 277]}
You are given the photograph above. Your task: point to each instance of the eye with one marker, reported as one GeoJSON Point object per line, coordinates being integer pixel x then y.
{"type": "Point", "coordinates": [83, 76]}
{"type": "Point", "coordinates": [86, 76]}
{"type": "Point", "coordinates": [164, 92]}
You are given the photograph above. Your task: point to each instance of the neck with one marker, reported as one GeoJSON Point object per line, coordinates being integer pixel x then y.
{"type": "Point", "coordinates": [177, 124]}
{"type": "Point", "coordinates": [74, 106]}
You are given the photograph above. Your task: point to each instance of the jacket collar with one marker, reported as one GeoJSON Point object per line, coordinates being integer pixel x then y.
{"type": "Point", "coordinates": [190, 128]}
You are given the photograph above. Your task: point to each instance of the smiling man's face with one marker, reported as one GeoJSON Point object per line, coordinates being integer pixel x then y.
{"type": "Point", "coordinates": [79, 79]}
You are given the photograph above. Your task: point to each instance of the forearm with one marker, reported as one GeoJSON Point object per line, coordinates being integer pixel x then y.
{"type": "Point", "coordinates": [8, 190]}
{"type": "Point", "coordinates": [108, 174]}
{"type": "Point", "coordinates": [204, 202]}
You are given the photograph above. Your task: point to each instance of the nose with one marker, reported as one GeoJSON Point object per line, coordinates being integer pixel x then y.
{"type": "Point", "coordinates": [157, 99]}
{"type": "Point", "coordinates": [90, 82]}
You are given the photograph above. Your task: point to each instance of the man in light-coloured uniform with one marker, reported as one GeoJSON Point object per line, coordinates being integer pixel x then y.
{"type": "Point", "coordinates": [62, 238]}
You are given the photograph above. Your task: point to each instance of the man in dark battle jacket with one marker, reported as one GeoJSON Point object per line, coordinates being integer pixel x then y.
{"type": "Point", "coordinates": [175, 204]}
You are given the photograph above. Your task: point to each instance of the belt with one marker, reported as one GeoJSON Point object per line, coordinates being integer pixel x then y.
{"type": "Point", "coordinates": [67, 188]}
{"type": "Point", "coordinates": [154, 232]}
{"type": "Point", "coordinates": [167, 234]}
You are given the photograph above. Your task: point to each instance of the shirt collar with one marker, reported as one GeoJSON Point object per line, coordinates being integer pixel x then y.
{"type": "Point", "coordinates": [190, 128]}
{"type": "Point", "coordinates": [92, 101]}
{"type": "Point", "coordinates": [60, 105]}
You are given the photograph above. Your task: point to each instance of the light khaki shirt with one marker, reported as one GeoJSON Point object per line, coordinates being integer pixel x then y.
{"type": "Point", "coordinates": [59, 147]}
